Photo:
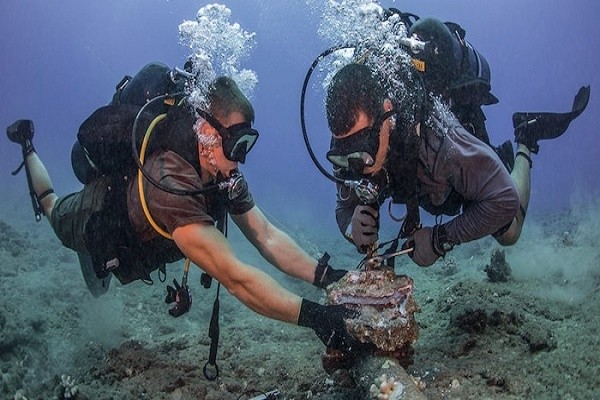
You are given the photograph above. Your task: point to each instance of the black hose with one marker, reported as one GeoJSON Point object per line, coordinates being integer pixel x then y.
{"type": "Point", "coordinates": [136, 156]}
{"type": "Point", "coordinates": [324, 54]}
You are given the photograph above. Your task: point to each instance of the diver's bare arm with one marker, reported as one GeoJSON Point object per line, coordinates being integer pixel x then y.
{"type": "Point", "coordinates": [275, 245]}
{"type": "Point", "coordinates": [208, 248]}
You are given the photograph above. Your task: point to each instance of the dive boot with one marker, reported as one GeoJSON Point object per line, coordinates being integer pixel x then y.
{"type": "Point", "coordinates": [533, 126]}
{"type": "Point", "coordinates": [96, 286]}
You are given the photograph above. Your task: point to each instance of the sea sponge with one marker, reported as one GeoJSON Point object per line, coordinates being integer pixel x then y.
{"type": "Point", "coordinates": [386, 388]}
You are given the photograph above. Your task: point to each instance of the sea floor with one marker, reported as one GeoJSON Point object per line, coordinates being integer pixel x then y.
{"type": "Point", "coordinates": [535, 336]}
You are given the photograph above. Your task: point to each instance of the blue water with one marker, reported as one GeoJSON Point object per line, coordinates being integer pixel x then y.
{"type": "Point", "coordinates": [62, 59]}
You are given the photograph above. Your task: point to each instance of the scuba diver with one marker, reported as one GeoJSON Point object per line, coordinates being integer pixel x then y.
{"type": "Point", "coordinates": [414, 132]}
{"type": "Point", "coordinates": [429, 161]}
{"type": "Point", "coordinates": [170, 199]}
{"type": "Point", "coordinates": [452, 68]}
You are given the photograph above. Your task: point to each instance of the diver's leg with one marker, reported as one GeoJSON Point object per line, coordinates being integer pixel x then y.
{"type": "Point", "coordinates": [42, 184]}
{"type": "Point", "coordinates": [521, 176]}
{"type": "Point", "coordinates": [529, 129]}
{"type": "Point", "coordinates": [21, 132]}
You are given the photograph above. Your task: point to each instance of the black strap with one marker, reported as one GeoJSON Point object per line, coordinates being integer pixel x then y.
{"type": "Point", "coordinates": [211, 369]}
{"type": "Point", "coordinates": [523, 211]}
{"type": "Point", "coordinates": [320, 270]}
{"type": "Point", "coordinates": [119, 89]}
{"type": "Point", "coordinates": [407, 18]}
{"type": "Point", "coordinates": [38, 210]}
{"type": "Point", "coordinates": [45, 194]}
{"type": "Point", "coordinates": [406, 150]}
{"type": "Point", "coordinates": [390, 262]}
{"type": "Point", "coordinates": [412, 222]}
{"type": "Point", "coordinates": [525, 156]}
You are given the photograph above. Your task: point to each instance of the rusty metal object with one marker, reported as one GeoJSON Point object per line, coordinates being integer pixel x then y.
{"type": "Point", "coordinates": [385, 324]}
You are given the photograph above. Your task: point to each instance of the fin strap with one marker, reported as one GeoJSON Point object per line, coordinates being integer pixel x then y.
{"type": "Point", "coordinates": [45, 194]}
{"type": "Point", "coordinates": [525, 156]}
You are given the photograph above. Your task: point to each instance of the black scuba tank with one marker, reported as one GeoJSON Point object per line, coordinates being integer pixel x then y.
{"type": "Point", "coordinates": [103, 145]}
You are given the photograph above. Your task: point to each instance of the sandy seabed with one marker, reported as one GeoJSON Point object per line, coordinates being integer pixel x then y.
{"type": "Point", "coordinates": [533, 337]}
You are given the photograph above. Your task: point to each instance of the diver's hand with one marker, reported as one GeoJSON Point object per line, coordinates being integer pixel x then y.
{"type": "Point", "coordinates": [330, 276]}
{"type": "Point", "coordinates": [428, 245]}
{"type": "Point", "coordinates": [325, 274]}
{"type": "Point", "coordinates": [328, 323]}
{"type": "Point", "coordinates": [364, 227]}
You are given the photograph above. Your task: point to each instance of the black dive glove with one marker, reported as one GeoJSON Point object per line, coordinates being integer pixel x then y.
{"type": "Point", "coordinates": [181, 296]}
{"type": "Point", "coordinates": [325, 275]}
{"type": "Point", "coordinates": [328, 323]}
{"type": "Point", "coordinates": [428, 245]}
{"type": "Point", "coordinates": [364, 227]}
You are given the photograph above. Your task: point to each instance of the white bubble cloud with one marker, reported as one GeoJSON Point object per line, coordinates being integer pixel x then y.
{"type": "Point", "coordinates": [217, 48]}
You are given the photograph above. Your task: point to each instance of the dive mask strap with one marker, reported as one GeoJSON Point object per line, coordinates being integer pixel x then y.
{"type": "Point", "coordinates": [237, 140]}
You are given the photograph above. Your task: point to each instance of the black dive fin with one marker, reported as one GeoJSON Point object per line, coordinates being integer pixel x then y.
{"type": "Point", "coordinates": [533, 126]}
{"type": "Point", "coordinates": [95, 285]}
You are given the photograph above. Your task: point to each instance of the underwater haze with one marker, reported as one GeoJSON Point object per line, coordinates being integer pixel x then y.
{"type": "Point", "coordinates": [61, 60]}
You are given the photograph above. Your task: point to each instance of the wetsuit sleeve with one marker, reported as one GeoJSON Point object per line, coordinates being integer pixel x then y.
{"type": "Point", "coordinates": [474, 171]}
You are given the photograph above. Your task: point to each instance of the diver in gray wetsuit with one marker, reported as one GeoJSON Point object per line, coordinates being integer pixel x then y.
{"type": "Point", "coordinates": [430, 161]}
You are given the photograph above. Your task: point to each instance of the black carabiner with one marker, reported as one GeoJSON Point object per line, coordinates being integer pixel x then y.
{"type": "Point", "coordinates": [213, 374]}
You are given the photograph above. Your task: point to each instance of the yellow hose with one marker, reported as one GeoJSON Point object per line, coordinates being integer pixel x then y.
{"type": "Point", "coordinates": [141, 177]}
{"type": "Point", "coordinates": [151, 220]}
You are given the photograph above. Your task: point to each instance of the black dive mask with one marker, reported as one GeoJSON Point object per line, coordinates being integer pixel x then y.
{"type": "Point", "coordinates": [355, 152]}
{"type": "Point", "coordinates": [237, 140]}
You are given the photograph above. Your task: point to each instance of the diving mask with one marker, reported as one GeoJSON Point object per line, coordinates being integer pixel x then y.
{"type": "Point", "coordinates": [356, 151]}
{"type": "Point", "coordinates": [237, 140]}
